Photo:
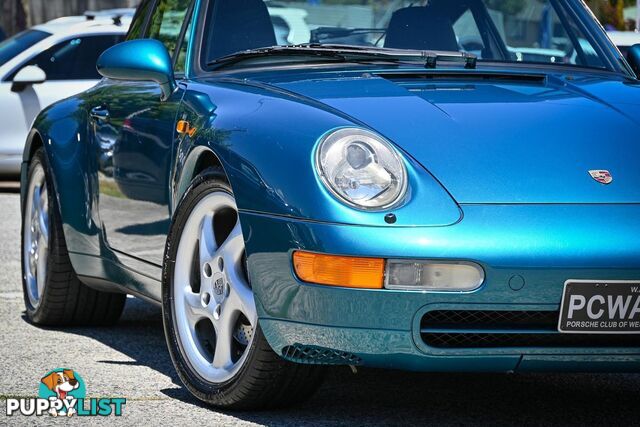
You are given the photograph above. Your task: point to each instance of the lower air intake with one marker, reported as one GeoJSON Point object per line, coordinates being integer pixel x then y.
{"type": "Point", "coordinates": [313, 355]}
{"type": "Point", "coordinates": [453, 329]}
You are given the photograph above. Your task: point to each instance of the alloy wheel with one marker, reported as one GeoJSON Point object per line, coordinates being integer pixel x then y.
{"type": "Point", "coordinates": [36, 236]}
{"type": "Point", "coordinates": [214, 307]}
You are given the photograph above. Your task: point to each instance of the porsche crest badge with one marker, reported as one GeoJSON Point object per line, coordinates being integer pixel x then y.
{"type": "Point", "coordinates": [602, 176]}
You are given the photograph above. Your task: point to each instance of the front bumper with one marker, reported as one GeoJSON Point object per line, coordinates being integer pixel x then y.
{"type": "Point", "coordinates": [527, 252]}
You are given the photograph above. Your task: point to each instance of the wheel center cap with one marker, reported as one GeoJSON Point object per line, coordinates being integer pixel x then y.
{"type": "Point", "coordinates": [218, 287]}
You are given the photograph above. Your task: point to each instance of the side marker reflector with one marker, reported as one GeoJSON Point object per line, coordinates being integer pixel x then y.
{"type": "Point", "coordinates": [184, 127]}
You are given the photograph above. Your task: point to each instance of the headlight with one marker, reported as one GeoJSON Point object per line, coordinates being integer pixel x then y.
{"type": "Point", "coordinates": [361, 168]}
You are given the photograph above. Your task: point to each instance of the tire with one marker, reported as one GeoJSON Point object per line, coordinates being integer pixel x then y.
{"type": "Point", "coordinates": [53, 294]}
{"type": "Point", "coordinates": [257, 378]}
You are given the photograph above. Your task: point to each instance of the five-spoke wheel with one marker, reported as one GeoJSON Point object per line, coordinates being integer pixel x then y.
{"type": "Point", "coordinates": [214, 306]}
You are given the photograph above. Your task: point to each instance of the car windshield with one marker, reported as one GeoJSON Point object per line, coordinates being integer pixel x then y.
{"type": "Point", "coordinates": [537, 31]}
{"type": "Point", "coordinates": [19, 43]}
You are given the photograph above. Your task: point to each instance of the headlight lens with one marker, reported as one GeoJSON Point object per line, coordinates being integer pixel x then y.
{"type": "Point", "coordinates": [362, 169]}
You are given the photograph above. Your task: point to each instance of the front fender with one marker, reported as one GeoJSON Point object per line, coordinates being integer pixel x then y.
{"type": "Point", "coordinates": [265, 140]}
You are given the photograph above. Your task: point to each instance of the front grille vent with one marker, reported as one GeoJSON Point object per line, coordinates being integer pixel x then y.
{"type": "Point", "coordinates": [456, 329]}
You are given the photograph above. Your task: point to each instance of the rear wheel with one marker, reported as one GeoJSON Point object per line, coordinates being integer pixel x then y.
{"type": "Point", "coordinates": [53, 294]}
{"type": "Point", "coordinates": [210, 316]}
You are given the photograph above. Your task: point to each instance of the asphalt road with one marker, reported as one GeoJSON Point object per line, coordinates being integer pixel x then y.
{"type": "Point", "coordinates": [131, 360]}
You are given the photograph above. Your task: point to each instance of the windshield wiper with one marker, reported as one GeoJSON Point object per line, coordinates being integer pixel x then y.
{"type": "Point", "coordinates": [344, 52]}
{"type": "Point", "coordinates": [274, 51]}
{"type": "Point", "coordinates": [430, 57]}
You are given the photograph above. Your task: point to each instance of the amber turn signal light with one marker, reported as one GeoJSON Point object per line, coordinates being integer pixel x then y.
{"type": "Point", "coordinates": [184, 127]}
{"type": "Point", "coordinates": [332, 270]}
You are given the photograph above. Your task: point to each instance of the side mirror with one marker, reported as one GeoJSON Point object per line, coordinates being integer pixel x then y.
{"type": "Point", "coordinates": [633, 57]}
{"type": "Point", "coordinates": [29, 75]}
{"type": "Point", "coordinates": [139, 60]}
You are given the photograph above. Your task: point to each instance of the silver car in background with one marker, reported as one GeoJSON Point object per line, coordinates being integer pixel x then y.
{"type": "Point", "coordinates": [45, 64]}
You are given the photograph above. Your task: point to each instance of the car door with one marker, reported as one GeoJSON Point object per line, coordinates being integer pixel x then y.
{"type": "Point", "coordinates": [134, 133]}
{"type": "Point", "coordinates": [70, 69]}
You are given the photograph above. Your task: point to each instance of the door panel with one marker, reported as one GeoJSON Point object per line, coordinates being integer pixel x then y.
{"type": "Point", "coordinates": [134, 134]}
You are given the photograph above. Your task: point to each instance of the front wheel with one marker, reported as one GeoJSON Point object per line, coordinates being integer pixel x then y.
{"type": "Point", "coordinates": [209, 311]}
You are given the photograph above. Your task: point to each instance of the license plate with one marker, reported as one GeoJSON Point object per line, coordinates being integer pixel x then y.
{"type": "Point", "coordinates": [600, 307]}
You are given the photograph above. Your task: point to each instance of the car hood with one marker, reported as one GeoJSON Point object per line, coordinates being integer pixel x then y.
{"type": "Point", "coordinates": [500, 138]}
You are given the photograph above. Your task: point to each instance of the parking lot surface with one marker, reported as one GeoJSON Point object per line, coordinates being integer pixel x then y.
{"type": "Point", "coordinates": [131, 360]}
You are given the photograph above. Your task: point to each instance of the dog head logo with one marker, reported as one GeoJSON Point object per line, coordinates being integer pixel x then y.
{"type": "Point", "coordinates": [62, 385]}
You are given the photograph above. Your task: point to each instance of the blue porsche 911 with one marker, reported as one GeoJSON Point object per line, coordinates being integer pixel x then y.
{"type": "Point", "coordinates": [441, 185]}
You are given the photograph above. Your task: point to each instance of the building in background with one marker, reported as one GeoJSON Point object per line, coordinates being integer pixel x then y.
{"type": "Point", "coordinates": [16, 15]}
{"type": "Point", "coordinates": [12, 17]}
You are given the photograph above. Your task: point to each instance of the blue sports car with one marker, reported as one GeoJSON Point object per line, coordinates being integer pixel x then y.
{"type": "Point", "coordinates": [442, 185]}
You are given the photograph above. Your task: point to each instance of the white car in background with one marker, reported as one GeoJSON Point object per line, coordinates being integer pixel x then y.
{"type": "Point", "coordinates": [624, 39]}
{"type": "Point", "coordinates": [45, 64]}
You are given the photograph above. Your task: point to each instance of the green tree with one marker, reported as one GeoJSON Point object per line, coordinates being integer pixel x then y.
{"type": "Point", "coordinates": [611, 12]}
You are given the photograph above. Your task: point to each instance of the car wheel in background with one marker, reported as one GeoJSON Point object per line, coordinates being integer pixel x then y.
{"type": "Point", "coordinates": [209, 311]}
{"type": "Point", "coordinates": [53, 294]}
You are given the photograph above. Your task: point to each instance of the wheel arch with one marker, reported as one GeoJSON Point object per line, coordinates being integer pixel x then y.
{"type": "Point", "coordinates": [34, 141]}
{"type": "Point", "coordinates": [199, 159]}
